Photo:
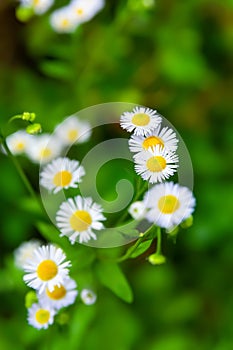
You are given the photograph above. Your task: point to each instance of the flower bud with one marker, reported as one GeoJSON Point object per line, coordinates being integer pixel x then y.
{"type": "Point", "coordinates": [34, 129]}
{"type": "Point", "coordinates": [157, 259]}
{"type": "Point", "coordinates": [30, 117]}
{"type": "Point", "coordinates": [187, 223]}
{"type": "Point", "coordinates": [30, 299]}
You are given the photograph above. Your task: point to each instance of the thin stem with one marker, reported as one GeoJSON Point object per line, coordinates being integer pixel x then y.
{"type": "Point", "coordinates": [159, 241]}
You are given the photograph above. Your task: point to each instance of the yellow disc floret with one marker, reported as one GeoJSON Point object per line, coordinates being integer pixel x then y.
{"type": "Point", "coordinates": [58, 293]}
{"type": "Point", "coordinates": [47, 270]}
{"type": "Point", "coordinates": [80, 220]}
{"type": "Point", "coordinates": [152, 141]}
{"type": "Point", "coordinates": [168, 204]}
{"type": "Point", "coordinates": [62, 178]}
{"type": "Point", "coordinates": [141, 119]}
{"type": "Point", "coordinates": [156, 164]}
{"type": "Point", "coordinates": [42, 316]}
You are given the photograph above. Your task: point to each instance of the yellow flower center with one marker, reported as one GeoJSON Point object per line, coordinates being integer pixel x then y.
{"type": "Point", "coordinates": [80, 220]}
{"type": "Point", "coordinates": [141, 119]}
{"type": "Point", "coordinates": [47, 270]}
{"type": "Point", "coordinates": [156, 164]}
{"type": "Point", "coordinates": [62, 178]}
{"type": "Point", "coordinates": [72, 135]}
{"type": "Point", "coordinates": [57, 293]}
{"type": "Point", "coordinates": [64, 23]}
{"type": "Point", "coordinates": [152, 141]}
{"type": "Point", "coordinates": [168, 204]}
{"type": "Point", "coordinates": [20, 146]}
{"type": "Point", "coordinates": [45, 153]}
{"type": "Point", "coordinates": [79, 11]}
{"type": "Point", "coordinates": [42, 316]}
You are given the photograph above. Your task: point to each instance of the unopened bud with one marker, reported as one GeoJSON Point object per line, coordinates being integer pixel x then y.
{"type": "Point", "coordinates": [187, 223]}
{"type": "Point", "coordinates": [30, 117]}
{"type": "Point", "coordinates": [30, 299]}
{"type": "Point", "coordinates": [34, 129]}
{"type": "Point", "coordinates": [157, 259]}
{"type": "Point", "coordinates": [23, 14]}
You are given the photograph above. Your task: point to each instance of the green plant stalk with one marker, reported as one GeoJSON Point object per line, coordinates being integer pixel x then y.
{"type": "Point", "coordinates": [159, 241]}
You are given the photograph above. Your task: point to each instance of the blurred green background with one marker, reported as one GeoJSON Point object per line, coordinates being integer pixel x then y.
{"type": "Point", "coordinates": [176, 57]}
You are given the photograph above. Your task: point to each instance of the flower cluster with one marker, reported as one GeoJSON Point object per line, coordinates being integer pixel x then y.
{"type": "Point", "coordinates": [67, 18]}
{"type": "Point", "coordinates": [47, 272]}
{"type": "Point", "coordinates": [43, 148]}
{"type": "Point", "coordinates": [154, 147]}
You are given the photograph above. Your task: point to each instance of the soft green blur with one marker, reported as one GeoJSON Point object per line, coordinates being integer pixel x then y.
{"type": "Point", "coordinates": [173, 56]}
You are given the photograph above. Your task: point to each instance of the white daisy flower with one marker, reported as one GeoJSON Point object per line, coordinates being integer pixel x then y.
{"type": "Point", "coordinates": [137, 210]}
{"type": "Point", "coordinates": [46, 269]}
{"type": "Point", "coordinates": [169, 204]}
{"type": "Point", "coordinates": [72, 130]}
{"type": "Point", "coordinates": [61, 173]}
{"type": "Point", "coordinates": [25, 252]}
{"type": "Point", "coordinates": [141, 120]}
{"type": "Point", "coordinates": [77, 217]}
{"type": "Point", "coordinates": [156, 165]}
{"type": "Point", "coordinates": [38, 6]}
{"type": "Point", "coordinates": [40, 316]}
{"type": "Point", "coordinates": [62, 295]}
{"type": "Point", "coordinates": [43, 148]}
{"type": "Point", "coordinates": [19, 142]}
{"type": "Point", "coordinates": [63, 20]}
{"type": "Point", "coordinates": [165, 138]}
{"type": "Point", "coordinates": [88, 297]}
{"type": "Point", "coordinates": [85, 10]}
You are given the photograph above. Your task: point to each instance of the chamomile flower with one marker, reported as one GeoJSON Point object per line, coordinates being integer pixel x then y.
{"type": "Point", "coordinates": [62, 295]}
{"type": "Point", "coordinates": [25, 252]}
{"type": "Point", "coordinates": [38, 6]}
{"type": "Point", "coordinates": [88, 297]}
{"type": "Point", "coordinates": [156, 165]}
{"type": "Point", "coordinates": [43, 148]}
{"type": "Point", "coordinates": [77, 217]}
{"type": "Point", "coordinates": [61, 173]}
{"type": "Point", "coordinates": [137, 210]}
{"type": "Point", "coordinates": [169, 204]}
{"type": "Point", "coordinates": [63, 20]}
{"type": "Point", "coordinates": [40, 316]}
{"type": "Point", "coordinates": [165, 138]}
{"type": "Point", "coordinates": [85, 10]}
{"type": "Point", "coordinates": [141, 120]}
{"type": "Point", "coordinates": [18, 142]}
{"type": "Point", "coordinates": [46, 268]}
{"type": "Point", "coordinates": [72, 130]}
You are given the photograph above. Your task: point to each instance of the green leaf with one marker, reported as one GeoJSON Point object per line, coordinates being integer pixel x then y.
{"type": "Point", "coordinates": [141, 248]}
{"type": "Point", "coordinates": [111, 276]}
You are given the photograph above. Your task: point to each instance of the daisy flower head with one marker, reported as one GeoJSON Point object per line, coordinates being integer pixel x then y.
{"type": "Point", "coordinates": [169, 204]}
{"type": "Point", "coordinates": [165, 138]}
{"type": "Point", "coordinates": [88, 297]}
{"type": "Point", "coordinates": [25, 252]}
{"type": "Point", "coordinates": [72, 130]}
{"type": "Point", "coordinates": [43, 148]}
{"type": "Point", "coordinates": [85, 10]}
{"type": "Point", "coordinates": [137, 210]}
{"type": "Point", "coordinates": [38, 6]}
{"type": "Point", "coordinates": [19, 142]}
{"type": "Point", "coordinates": [62, 295]}
{"type": "Point", "coordinates": [46, 269]}
{"type": "Point", "coordinates": [63, 20]}
{"type": "Point", "coordinates": [77, 217]}
{"type": "Point", "coordinates": [61, 173]}
{"type": "Point", "coordinates": [141, 120]}
{"type": "Point", "coordinates": [40, 316]}
{"type": "Point", "coordinates": [157, 165]}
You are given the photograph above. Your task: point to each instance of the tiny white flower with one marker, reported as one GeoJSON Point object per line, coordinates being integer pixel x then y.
{"type": "Point", "coordinates": [38, 6]}
{"type": "Point", "coordinates": [63, 20]}
{"type": "Point", "coordinates": [169, 204]}
{"type": "Point", "coordinates": [25, 252]}
{"type": "Point", "coordinates": [156, 165]}
{"type": "Point", "coordinates": [46, 268]}
{"type": "Point", "coordinates": [62, 295]}
{"type": "Point", "coordinates": [19, 142]}
{"type": "Point", "coordinates": [43, 148]}
{"type": "Point", "coordinates": [77, 217]}
{"type": "Point", "coordinates": [85, 10]}
{"type": "Point", "coordinates": [40, 316]}
{"type": "Point", "coordinates": [141, 120]}
{"type": "Point", "coordinates": [73, 130]}
{"type": "Point", "coordinates": [61, 173]}
{"type": "Point", "coordinates": [88, 297]}
{"type": "Point", "coordinates": [137, 210]}
{"type": "Point", "coordinates": [165, 138]}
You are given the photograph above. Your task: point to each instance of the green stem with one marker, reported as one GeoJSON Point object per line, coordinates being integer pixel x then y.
{"type": "Point", "coordinates": [159, 240]}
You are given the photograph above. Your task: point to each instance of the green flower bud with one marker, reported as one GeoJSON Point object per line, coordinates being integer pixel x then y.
{"type": "Point", "coordinates": [34, 129]}
{"type": "Point", "coordinates": [23, 14]}
{"type": "Point", "coordinates": [157, 259]}
{"type": "Point", "coordinates": [30, 298]}
{"type": "Point", "coordinates": [173, 231]}
{"type": "Point", "coordinates": [29, 116]}
{"type": "Point", "coordinates": [187, 223]}
{"type": "Point", "coordinates": [63, 318]}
